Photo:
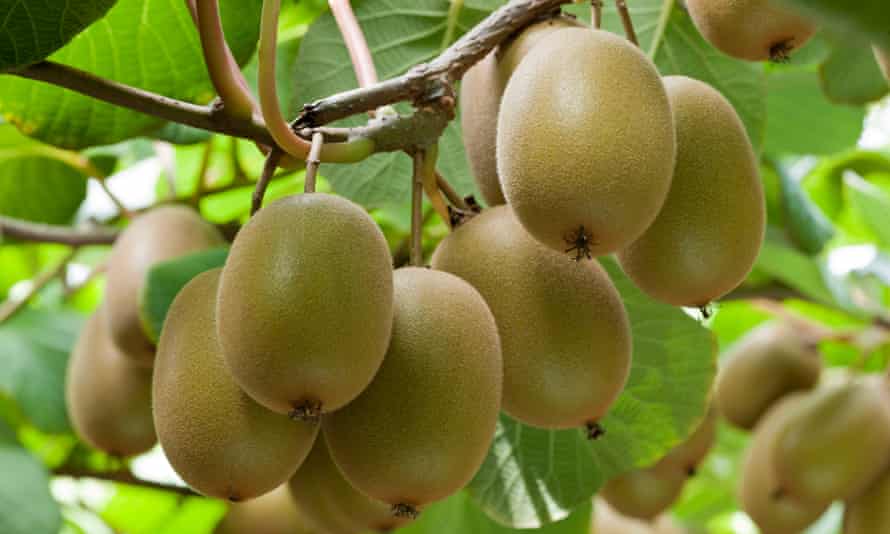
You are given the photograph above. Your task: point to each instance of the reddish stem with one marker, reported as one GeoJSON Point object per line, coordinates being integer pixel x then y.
{"type": "Point", "coordinates": [355, 41]}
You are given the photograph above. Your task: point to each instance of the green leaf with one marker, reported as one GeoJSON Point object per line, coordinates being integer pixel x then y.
{"type": "Point", "coordinates": [26, 505]}
{"type": "Point", "coordinates": [180, 134]}
{"type": "Point", "coordinates": [807, 225]}
{"type": "Point", "coordinates": [865, 20]}
{"type": "Point", "coordinates": [793, 269]}
{"type": "Point", "coordinates": [872, 203]}
{"type": "Point", "coordinates": [459, 515]}
{"type": "Point", "coordinates": [151, 44]}
{"type": "Point", "coordinates": [36, 183]}
{"type": "Point", "coordinates": [30, 32]}
{"type": "Point", "coordinates": [164, 281]}
{"type": "Point", "coordinates": [799, 112]}
{"type": "Point", "coordinates": [533, 477]}
{"type": "Point", "coordinates": [137, 510]}
{"type": "Point", "coordinates": [850, 75]}
{"type": "Point", "coordinates": [34, 349]}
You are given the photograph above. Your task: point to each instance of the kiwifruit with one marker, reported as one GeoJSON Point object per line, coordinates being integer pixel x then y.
{"type": "Point", "coordinates": [108, 395]}
{"type": "Point", "coordinates": [760, 494]}
{"type": "Point", "coordinates": [423, 427]}
{"type": "Point", "coordinates": [480, 98]}
{"type": "Point", "coordinates": [645, 493]}
{"type": "Point", "coordinates": [564, 330]}
{"type": "Point", "coordinates": [689, 454]}
{"type": "Point", "coordinates": [328, 500]}
{"type": "Point", "coordinates": [608, 521]}
{"type": "Point", "coordinates": [272, 513]}
{"type": "Point", "coordinates": [754, 30]}
{"type": "Point", "coordinates": [585, 142]}
{"type": "Point", "coordinates": [869, 513]}
{"type": "Point", "coordinates": [159, 235]}
{"type": "Point", "coordinates": [305, 304]}
{"type": "Point", "coordinates": [769, 362]}
{"type": "Point", "coordinates": [665, 524]}
{"type": "Point", "coordinates": [215, 436]}
{"type": "Point", "coordinates": [837, 443]}
{"type": "Point", "coordinates": [708, 234]}
{"type": "Point", "coordinates": [883, 58]}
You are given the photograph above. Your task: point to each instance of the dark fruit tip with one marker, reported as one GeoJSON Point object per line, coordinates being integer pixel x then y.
{"type": "Point", "coordinates": [307, 412]}
{"type": "Point", "coordinates": [579, 242]}
{"type": "Point", "coordinates": [595, 431]}
{"type": "Point", "coordinates": [405, 511]}
{"type": "Point", "coordinates": [706, 310]}
{"type": "Point", "coordinates": [691, 471]}
{"type": "Point", "coordinates": [781, 51]}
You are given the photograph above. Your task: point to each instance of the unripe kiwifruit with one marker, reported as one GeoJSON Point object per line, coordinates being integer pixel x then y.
{"type": "Point", "coordinates": [754, 30]}
{"type": "Point", "coordinates": [215, 436]}
{"type": "Point", "coordinates": [645, 493]}
{"type": "Point", "coordinates": [883, 58]}
{"type": "Point", "coordinates": [423, 427]}
{"type": "Point", "coordinates": [760, 494]}
{"type": "Point", "coordinates": [305, 304]}
{"type": "Point", "coordinates": [159, 235]}
{"type": "Point", "coordinates": [272, 513]}
{"type": "Point", "coordinates": [837, 443]}
{"type": "Point", "coordinates": [329, 501]}
{"type": "Point", "coordinates": [585, 142]}
{"type": "Point", "coordinates": [708, 234]}
{"type": "Point", "coordinates": [769, 362]}
{"type": "Point", "coordinates": [108, 395]}
{"type": "Point", "coordinates": [869, 513]}
{"type": "Point", "coordinates": [480, 99]}
{"type": "Point", "coordinates": [564, 330]}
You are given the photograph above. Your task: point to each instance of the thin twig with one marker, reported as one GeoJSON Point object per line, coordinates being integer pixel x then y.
{"type": "Point", "coordinates": [201, 187]}
{"type": "Point", "coordinates": [269, 169]}
{"type": "Point", "coordinates": [417, 210]}
{"type": "Point", "coordinates": [47, 233]}
{"type": "Point", "coordinates": [451, 22]}
{"type": "Point", "coordinates": [313, 162]}
{"type": "Point", "coordinates": [123, 476]}
{"type": "Point", "coordinates": [359, 53]}
{"type": "Point", "coordinates": [627, 21]}
{"type": "Point", "coordinates": [448, 190]}
{"type": "Point", "coordinates": [11, 307]}
{"type": "Point", "coordinates": [596, 13]}
{"type": "Point", "coordinates": [125, 213]}
{"type": "Point", "coordinates": [221, 65]}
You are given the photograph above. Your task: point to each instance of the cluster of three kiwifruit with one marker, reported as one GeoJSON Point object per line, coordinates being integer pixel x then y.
{"type": "Point", "coordinates": [307, 320]}
{"type": "Point", "coordinates": [108, 384]}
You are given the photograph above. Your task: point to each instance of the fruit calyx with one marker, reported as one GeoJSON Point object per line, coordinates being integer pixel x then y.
{"type": "Point", "coordinates": [405, 510]}
{"type": "Point", "coordinates": [781, 51]}
{"type": "Point", "coordinates": [595, 431]}
{"type": "Point", "coordinates": [580, 242]}
{"type": "Point", "coordinates": [307, 412]}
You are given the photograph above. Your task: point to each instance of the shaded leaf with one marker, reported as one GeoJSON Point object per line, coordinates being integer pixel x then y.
{"type": "Point", "coordinates": [872, 203]}
{"type": "Point", "coordinates": [851, 75]}
{"type": "Point", "coordinates": [865, 20]}
{"type": "Point", "coordinates": [26, 505]}
{"type": "Point", "coordinates": [805, 222]}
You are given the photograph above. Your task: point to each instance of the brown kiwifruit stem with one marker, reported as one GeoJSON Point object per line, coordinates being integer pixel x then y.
{"type": "Point", "coordinates": [417, 209]}
{"type": "Point", "coordinates": [123, 476]}
{"type": "Point", "coordinates": [312, 162]}
{"type": "Point", "coordinates": [356, 44]}
{"type": "Point", "coordinates": [11, 307]}
{"type": "Point", "coordinates": [262, 184]}
{"type": "Point", "coordinates": [596, 13]}
{"type": "Point", "coordinates": [627, 21]}
{"type": "Point", "coordinates": [48, 233]}
{"type": "Point", "coordinates": [450, 193]}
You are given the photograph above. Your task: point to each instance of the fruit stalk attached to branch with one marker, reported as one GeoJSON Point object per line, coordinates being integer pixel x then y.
{"type": "Point", "coordinates": [417, 211]}
{"type": "Point", "coordinates": [365, 72]}
{"type": "Point", "coordinates": [313, 162]}
{"type": "Point", "coordinates": [269, 168]}
{"type": "Point", "coordinates": [627, 21]}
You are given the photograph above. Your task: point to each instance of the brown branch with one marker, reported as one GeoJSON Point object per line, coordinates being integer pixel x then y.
{"type": "Point", "coordinates": [627, 21]}
{"type": "Point", "coordinates": [48, 233]}
{"type": "Point", "coordinates": [11, 307]}
{"type": "Point", "coordinates": [125, 96]}
{"type": "Point", "coordinates": [431, 81]}
{"type": "Point", "coordinates": [122, 476]}
{"type": "Point", "coordinates": [262, 184]}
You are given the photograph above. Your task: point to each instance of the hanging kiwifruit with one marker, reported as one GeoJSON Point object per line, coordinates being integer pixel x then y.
{"type": "Point", "coordinates": [272, 513]}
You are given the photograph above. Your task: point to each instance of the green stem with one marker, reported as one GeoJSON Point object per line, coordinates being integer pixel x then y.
{"type": "Point", "coordinates": [454, 10]}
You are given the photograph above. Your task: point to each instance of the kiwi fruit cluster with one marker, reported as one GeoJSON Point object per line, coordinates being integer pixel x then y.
{"type": "Point", "coordinates": [814, 441]}
{"type": "Point", "coordinates": [109, 377]}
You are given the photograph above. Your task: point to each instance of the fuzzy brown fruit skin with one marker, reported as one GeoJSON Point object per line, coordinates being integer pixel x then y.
{"type": "Point", "coordinates": [883, 58]}
{"type": "Point", "coordinates": [305, 303]}
{"type": "Point", "coordinates": [869, 513]}
{"type": "Point", "coordinates": [108, 395]}
{"type": "Point", "coordinates": [216, 437]}
{"type": "Point", "coordinates": [480, 99]}
{"type": "Point", "coordinates": [585, 142]}
{"type": "Point", "coordinates": [645, 493]}
{"type": "Point", "coordinates": [564, 330]}
{"type": "Point", "coordinates": [688, 455]}
{"type": "Point", "coordinates": [423, 427]}
{"type": "Point", "coordinates": [606, 520]}
{"type": "Point", "coordinates": [760, 494]}
{"type": "Point", "coordinates": [753, 30]}
{"type": "Point", "coordinates": [707, 236]}
{"type": "Point", "coordinates": [272, 513]}
{"type": "Point", "coordinates": [329, 501]}
{"type": "Point", "coordinates": [777, 359]}
{"type": "Point", "coordinates": [159, 235]}
{"type": "Point", "coordinates": [837, 443]}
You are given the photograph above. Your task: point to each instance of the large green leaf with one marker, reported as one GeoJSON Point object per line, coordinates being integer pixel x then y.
{"type": "Point", "coordinates": [26, 505]}
{"type": "Point", "coordinates": [850, 75]}
{"type": "Point", "coordinates": [33, 30]}
{"type": "Point", "coordinates": [533, 477]}
{"type": "Point", "coordinates": [863, 20]}
{"type": "Point", "coordinates": [807, 225]}
{"type": "Point", "coordinates": [150, 44]}
{"type": "Point", "coordinates": [873, 205]}
{"type": "Point", "coordinates": [34, 348]}
{"type": "Point", "coordinates": [35, 181]}
{"type": "Point", "coordinates": [794, 269]}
